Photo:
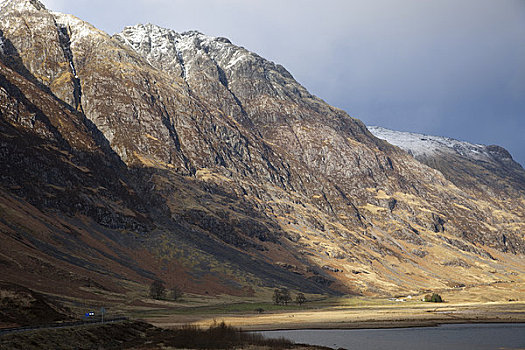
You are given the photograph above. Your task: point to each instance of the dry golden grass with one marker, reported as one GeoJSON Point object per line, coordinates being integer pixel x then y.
{"type": "Point", "coordinates": [382, 316]}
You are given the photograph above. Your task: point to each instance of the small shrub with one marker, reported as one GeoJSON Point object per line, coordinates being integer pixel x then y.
{"type": "Point", "coordinates": [157, 290]}
{"type": "Point", "coordinates": [434, 298]}
{"type": "Point", "coordinates": [220, 336]}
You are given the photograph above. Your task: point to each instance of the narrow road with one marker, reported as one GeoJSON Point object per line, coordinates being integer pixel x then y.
{"type": "Point", "coordinates": [4, 331]}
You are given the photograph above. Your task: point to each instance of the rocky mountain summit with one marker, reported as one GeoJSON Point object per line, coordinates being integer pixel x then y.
{"type": "Point", "coordinates": [153, 154]}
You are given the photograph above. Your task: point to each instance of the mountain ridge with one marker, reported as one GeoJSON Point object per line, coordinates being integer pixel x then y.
{"type": "Point", "coordinates": [408, 141]}
{"type": "Point", "coordinates": [500, 172]}
{"type": "Point", "coordinates": [227, 164]}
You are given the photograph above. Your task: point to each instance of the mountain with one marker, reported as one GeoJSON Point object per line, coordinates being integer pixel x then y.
{"type": "Point", "coordinates": [486, 170]}
{"type": "Point", "coordinates": [153, 154]}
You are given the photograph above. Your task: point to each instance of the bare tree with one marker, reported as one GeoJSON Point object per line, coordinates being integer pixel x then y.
{"type": "Point", "coordinates": [281, 296]}
{"type": "Point", "coordinates": [285, 296]}
{"type": "Point", "coordinates": [176, 293]}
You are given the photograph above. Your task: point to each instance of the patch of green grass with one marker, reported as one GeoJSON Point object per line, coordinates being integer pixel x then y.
{"type": "Point", "coordinates": [219, 309]}
{"type": "Point", "coordinates": [252, 307]}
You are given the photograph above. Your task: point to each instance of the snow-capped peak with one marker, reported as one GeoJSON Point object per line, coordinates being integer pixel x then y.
{"type": "Point", "coordinates": [176, 51]}
{"type": "Point", "coordinates": [420, 145]}
{"type": "Point", "coordinates": [163, 39]}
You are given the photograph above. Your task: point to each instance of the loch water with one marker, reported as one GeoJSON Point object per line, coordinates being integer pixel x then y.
{"type": "Point", "coordinates": [450, 337]}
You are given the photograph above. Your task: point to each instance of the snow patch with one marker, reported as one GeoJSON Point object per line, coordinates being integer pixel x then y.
{"type": "Point", "coordinates": [3, 4]}
{"type": "Point", "coordinates": [22, 5]}
{"type": "Point", "coordinates": [420, 145]}
{"type": "Point", "coordinates": [239, 57]}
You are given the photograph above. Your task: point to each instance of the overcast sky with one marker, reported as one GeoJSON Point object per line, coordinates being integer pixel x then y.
{"type": "Point", "coordinates": [452, 68]}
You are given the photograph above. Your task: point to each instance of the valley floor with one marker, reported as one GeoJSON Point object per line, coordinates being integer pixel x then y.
{"type": "Point", "coordinates": [481, 304]}
{"type": "Point", "coordinates": [384, 316]}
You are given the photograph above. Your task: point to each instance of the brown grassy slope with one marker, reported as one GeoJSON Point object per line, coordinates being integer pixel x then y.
{"type": "Point", "coordinates": [72, 219]}
{"type": "Point", "coordinates": [20, 306]}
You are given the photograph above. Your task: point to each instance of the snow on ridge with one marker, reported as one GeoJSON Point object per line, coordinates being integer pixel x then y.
{"type": "Point", "coordinates": [161, 44]}
{"type": "Point", "coordinates": [140, 32]}
{"type": "Point", "coordinates": [79, 28]}
{"type": "Point", "coordinates": [155, 43]}
{"type": "Point", "coordinates": [421, 145]}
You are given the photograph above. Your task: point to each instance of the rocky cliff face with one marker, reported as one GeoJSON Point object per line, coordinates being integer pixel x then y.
{"type": "Point", "coordinates": [218, 159]}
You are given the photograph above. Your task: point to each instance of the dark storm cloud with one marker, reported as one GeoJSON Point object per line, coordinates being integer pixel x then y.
{"type": "Point", "coordinates": [451, 68]}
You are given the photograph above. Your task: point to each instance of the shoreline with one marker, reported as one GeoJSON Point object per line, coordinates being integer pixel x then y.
{"type": "Point", "coordinates": [381, 325]}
